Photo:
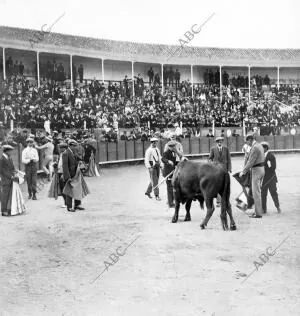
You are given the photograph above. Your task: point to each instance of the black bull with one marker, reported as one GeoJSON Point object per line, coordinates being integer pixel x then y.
{"type": "Point", "coordinates": [203, 182]}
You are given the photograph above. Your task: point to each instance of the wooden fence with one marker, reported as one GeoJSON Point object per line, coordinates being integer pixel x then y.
{"type": "Point", "coordinates": [135, 150]}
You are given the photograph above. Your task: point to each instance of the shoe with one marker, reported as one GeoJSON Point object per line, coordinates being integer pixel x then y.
{"type": "Point", "coordinates": [71, 210]}
{"type": "Point", "coordinates": [79, 208]}
{"type": "Point", "coordinates": [172, 206]}
{"type": "Point", "coordinates": [34, 197]}
{"type": "Point", "coordinates": [157, 198]}
{"type": "Point", "coordinates": [255, 216]}
{"type": "Point", "coordinates": [264, 211]}
{"type": "Point", "coordinates": [279, 210]}
{"type": "Point", "coordinates": [5, 214]}
{"type": "Point", "coordinates": [149, 195]}
{"type": "Point", "coordinates": [29, 196]}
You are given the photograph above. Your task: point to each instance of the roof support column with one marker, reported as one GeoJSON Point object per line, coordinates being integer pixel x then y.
{"type": "Point", "coordinates": [249, 82]}
{"type": "Point", "coordinates": [278, 79]}
{"type": "Point", "coordinates": [162, 78]}
{"type": "Point", "coordinates": [192, 80]}
{"type": "Point", "coordinates": [132, 77]}
{"type": "Point", "coordinates": [220, 84]}
{"type": "Point", "coordinates": [102, 69]}
{"type": "Point", "coordinates": [4, 65]}
{"type": "Point", "coordinates": [38, 68]}
{"type": "Point", "coordinates": [71, 71]}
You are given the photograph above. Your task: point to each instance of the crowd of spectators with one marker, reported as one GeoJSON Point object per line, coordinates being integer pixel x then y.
{"type": "Point", "coordinates": [112, 107]}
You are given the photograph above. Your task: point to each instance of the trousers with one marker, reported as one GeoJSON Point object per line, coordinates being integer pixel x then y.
{"type": "Point", "coordinates": [154, 176]}
{"type": "Point", "coordinates": [69, 201]}
{"type": "Point", "coordinates": [61, 186]}
{"type": "Point", "coordinates": [270, 186]}
{"type": "Point", "coordinates": [257, 174]}
{"type": "Point", "coordinates": [31, 177]}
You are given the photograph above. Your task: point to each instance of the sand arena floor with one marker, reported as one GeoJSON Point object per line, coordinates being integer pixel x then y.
{"type": "Point", "coordinates": [50, 258]}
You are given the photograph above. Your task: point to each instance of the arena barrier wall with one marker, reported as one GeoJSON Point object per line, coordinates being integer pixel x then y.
{"type": "Point", "coordinates": [134, 151]}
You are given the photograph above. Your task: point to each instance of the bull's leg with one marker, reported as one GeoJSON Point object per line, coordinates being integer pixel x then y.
{"type": "Point", "coordinates": [232, 222]}
{"type": "Point", "coordinates": [224, 215]}
{"type": "Point", "coordinates": [177, 206]}
{"type": "Point", "coordinates": [210, 209]}
{"type": "Point", "coordinates": [187, 208]}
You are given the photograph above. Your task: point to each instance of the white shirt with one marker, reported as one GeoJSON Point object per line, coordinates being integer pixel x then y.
{"type": "Point", "coordinates": [152, 155]}
{"type": "Point", "coordinates": [29, 153]}
{"type": "Point", "coordinates": [60, 164]}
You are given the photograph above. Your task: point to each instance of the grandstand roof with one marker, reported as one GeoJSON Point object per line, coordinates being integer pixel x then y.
{"type": "Point", "coordinates": [18, 38]}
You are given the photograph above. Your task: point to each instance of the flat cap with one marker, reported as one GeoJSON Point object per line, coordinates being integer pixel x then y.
{"type": "Point", "coordinates": [250, 136]}
{"type": "Point", "coordinates": [219, 138]}
{"type": "Point", "coordinates": [7, 147]}
{"type": "Point", "coordinates": [63, 145]}
{"type": "Point", "coordinates": [154, 139]}
{"type": "Point", "coordinates": [265, 144]}
{"type": "Point", "coordinates": [172, 143]}
{"type": "Point", "coordinates": [31, 140]}
{"type": "Point", "coordinates": [73, 142]}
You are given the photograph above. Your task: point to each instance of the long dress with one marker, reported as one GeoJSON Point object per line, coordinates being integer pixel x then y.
{"type": "Point", "coordinates": [92, 170]}
{"type": "Point", "coordinates": [54, 190]}
{"type": "Point", "coordinates": [17, 201]}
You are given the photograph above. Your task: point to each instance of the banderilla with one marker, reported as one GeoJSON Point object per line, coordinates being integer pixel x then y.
{"type": "Point", "coordinates": [163, 180]}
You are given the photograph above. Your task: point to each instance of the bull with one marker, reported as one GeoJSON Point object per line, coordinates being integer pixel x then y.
{"type": "Point", "coordinates": [203, 182]}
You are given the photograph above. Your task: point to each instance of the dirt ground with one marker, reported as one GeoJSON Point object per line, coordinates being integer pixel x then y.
{"type": "Point", "coordinates": [50, 258]}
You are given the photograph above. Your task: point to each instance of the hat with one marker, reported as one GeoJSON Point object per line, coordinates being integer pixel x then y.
{"type": "Point", "coordinates": [55, 132]}
{"type": "Point", "coordinates": [172, 143]}
{"type": "Point", "coordinates": [29, 140]}
{"type": "Point", "coordinates": [73, 142]}
{"type": "Point", "coordinates": [63, 145]}
{"type": "Point", "coordinates": [250, 136]}
{"type": "Point", "coordinates": [7, 147]}
{"type": "Point", "coordinates": [265, 144]}
{"type": "Point", "coordinates": [154, 139]}
{"type": "Point", "coordinates": [220, 138]}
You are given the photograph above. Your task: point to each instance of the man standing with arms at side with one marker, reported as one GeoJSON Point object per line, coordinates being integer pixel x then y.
{"type": "Point", "coordinates": [169, 160]}
{"type": "Point", "coordinates": [30, 157]}
{"type": "Point", "coordinates": [255, 162]}
{"type": "Point", "coordinates": [153, 163]}
{"type": "Point", "coordinates": [270, 179]}
{"type": "Point", "coordinates": [220, 154]}
{"type": "Point", "coordinates": [69, 167]}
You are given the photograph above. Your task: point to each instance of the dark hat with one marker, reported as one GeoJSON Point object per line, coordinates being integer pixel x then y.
{"type": "Point", "coordinates": [250, 136]}
{"type": "Point", "coordinates": [63, 145]}
{"type": "Point", "coordinates": [265, 144]}
{"type": "Point", "coordinates": [7, 147]}
{"type": "Point", "coordinates": [73, 142]}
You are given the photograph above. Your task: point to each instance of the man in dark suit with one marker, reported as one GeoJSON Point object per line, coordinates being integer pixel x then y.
{"type": "Point", "coordinates": [7, 174]}
{"type": "Point", "coordinates": [270, 179]}
{"type": "Point", "coordinates": [169, 160]}
{"type": "Point", "coordinates": [69, 166]}
{"type": "Point", "coordinates": [220, 154]}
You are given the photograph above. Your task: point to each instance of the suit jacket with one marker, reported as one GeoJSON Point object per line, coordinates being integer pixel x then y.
{"type": "Point", "coordinates": [256, 156]}
{"type": "Point", "coordinates": [222, 157]}
{"type": "Point", "coordinates": [69, 164]}
{"type": "Point", "coordinates": [168, 155]}
{"type": "Point", "coordinates": [270, 171]}
{"type": "Point", "coordinates": [7, 170]}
